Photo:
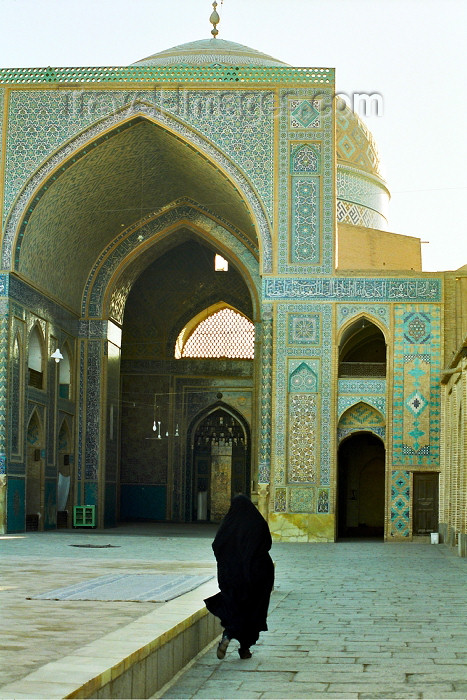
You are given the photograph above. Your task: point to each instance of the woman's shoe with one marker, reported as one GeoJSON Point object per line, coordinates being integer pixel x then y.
{"type": "Point", "coordinates": [244, 653]}
{"type": "Point", "coordinates": [222, 646]}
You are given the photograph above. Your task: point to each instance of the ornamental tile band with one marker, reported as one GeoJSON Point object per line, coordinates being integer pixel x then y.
{"type": "Point", "coordinates": [362, 386]}
{"type": "Point", "coordinates": [354, 289]}
{"type": "Point", "coordinates": [400, 503]}
{"type": "Point", "coordinates": [358, 215]}
{"type": "Point", "coordinates": [168, 74]}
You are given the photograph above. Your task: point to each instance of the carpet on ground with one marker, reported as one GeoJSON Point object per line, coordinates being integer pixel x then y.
{"type": "Point", "coordinates": [147, 588]}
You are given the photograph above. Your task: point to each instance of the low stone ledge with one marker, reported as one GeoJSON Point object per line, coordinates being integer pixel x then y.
{"type": "Point", "coordinates": [132, 662]}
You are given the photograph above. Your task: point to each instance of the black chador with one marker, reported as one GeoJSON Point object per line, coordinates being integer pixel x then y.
{"type": "Point", "coordinates": [245, 575]}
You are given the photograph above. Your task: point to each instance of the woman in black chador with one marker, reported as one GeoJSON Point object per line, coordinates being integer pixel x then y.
{"type": "Point", "coordinates": [245, 574]}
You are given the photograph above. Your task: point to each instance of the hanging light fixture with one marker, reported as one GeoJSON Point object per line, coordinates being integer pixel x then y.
{"type": "Point", "coordinates": [157, 425]}
{"type": "Point", "coordinates": [57, 355]}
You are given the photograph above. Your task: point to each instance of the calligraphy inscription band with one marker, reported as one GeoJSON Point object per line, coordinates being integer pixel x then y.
{"type": "Point", "coordinates": [355, 289]}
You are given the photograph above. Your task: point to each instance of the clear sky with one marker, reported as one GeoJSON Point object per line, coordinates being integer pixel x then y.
{"type": "Point", "coordinates": [411, 52]}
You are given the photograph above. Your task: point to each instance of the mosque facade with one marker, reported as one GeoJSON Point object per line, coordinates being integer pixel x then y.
{"type": "Point", "coordinates": [142, 382]}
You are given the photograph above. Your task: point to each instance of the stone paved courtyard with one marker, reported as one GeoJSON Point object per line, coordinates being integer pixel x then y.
{"type": "Point", "coordinates": [359, 619]}
{"type": "Point", "coordinates": [356, 619]}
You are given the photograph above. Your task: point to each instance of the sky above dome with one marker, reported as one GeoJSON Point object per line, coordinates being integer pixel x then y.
{"type": "Point", "coordinates": [409, 52]}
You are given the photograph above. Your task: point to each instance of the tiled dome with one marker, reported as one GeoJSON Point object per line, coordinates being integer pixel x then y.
{"type": "Point", "coordinates": [210, 52]}
{"type": "Point", "coordinates": [363, 196]}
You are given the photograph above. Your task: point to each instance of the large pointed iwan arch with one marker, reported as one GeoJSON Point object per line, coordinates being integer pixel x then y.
{"type": "Point", "coordinates": [89, 142]}
{"type": "Point", "coordinates": [135, 194]}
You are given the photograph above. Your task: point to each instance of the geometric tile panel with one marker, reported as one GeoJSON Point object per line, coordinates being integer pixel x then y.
{"type": "Point", "coordinates": [305, 220]}
{"type": "Point", "coordinates": [305, 158]}
{"type": "Point", "coordinates": [359, 215]}
{"type": "Point", "coordinates": [303, 376]}
{"type": "Point", "coordinates": [304, 114]}
{"type": "Point", "coordinates": [303, 329]}
{"type": "Point", "coordinates": [280, 500]}
{"type": "Point", "coordinates": [416, 414]}
{"type": "Point", "coordinates": [306, 215]}
{"type": "Point", "coordinates": [322, 504]}
{"type": "Point", "coordinates": [287, 358]}
{"type": "Point", "coordinates": [416, 435]}
{"type": "Point", "coordinates": [417, 328]}
{"type": "Point", "coordinates": [400, 503]}
{"type": "Point", "coordinates": [302, 438]}
{"type": "Point", "coordinates": [301, 500]}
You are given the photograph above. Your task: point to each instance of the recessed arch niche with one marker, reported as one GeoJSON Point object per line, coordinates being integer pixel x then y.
{"type": "Point", "coordinates": [362, 349]}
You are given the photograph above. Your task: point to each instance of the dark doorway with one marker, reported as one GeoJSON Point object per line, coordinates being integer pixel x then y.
{"type": "Point", "coordinates": [361, 486]}
{"type": "Point", "coordinates": [425, 502]}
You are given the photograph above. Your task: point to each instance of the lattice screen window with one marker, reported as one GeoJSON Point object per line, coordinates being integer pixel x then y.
{"type": "Point", "coordinates": [225, 333]}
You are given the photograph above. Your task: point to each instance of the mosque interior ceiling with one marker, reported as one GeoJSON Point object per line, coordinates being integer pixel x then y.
{"type": "Point", "coordinates": [137, 171]}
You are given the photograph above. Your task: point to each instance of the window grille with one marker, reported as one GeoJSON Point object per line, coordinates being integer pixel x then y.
{"type": "Point", "coordinates": [225, 333]}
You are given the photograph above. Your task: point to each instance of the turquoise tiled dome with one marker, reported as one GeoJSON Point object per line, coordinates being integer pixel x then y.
{"type": "Point", "coordinates": [209, 52]}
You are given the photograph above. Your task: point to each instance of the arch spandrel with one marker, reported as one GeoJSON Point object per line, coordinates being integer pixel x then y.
{"type": "Point", "coordinates": [110, 283]}
{"type": "Point", "coordinates": [107, 173]}
{"type": "Point", "coordinates": [361, 417]}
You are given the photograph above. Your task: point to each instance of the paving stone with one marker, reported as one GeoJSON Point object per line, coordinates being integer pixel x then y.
{"type": "Point", "coordinates": [398, 693]}
{"type": "Point", "coordinates": [449, 672]}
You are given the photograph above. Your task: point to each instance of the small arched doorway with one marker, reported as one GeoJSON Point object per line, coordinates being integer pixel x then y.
{"type": "Point", "coordinates": [34, 475]}
{"type": "Point", "coordinates": [65, 491]}
{"type": "Point", "coordinates": [220, 462]}
{"type": "Point", "coordinates": [361, 470]}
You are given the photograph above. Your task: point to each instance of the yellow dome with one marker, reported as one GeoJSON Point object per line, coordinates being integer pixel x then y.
{"type": "Point", "coordinates": [354, 143]}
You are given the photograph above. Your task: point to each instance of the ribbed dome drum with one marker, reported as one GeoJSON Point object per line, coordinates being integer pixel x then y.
{"type": "Point", "coordinates": [210, 52]}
